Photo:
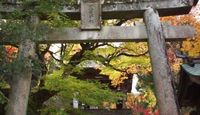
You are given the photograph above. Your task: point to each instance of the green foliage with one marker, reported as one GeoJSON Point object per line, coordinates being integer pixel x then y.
{"type": "Point", "coordinates": [87, 92]}
{"type": "Point", "coordinates": [13, 68]}
{"type": "Point", "coordinates": [135, 47]}
{"type": "Point", "coordinates": [3, 60]}
{"type": "Point", "coordinates": [90, 55]}
{"type": "Point", "coordinates": [15, 28]}
{"type": "Point", "coordinates": [147, 88]}
{"type": "Point", "coordinates": [59, 20]}
{"type": "Point", "coordinates": [37, 68]}
{"type": "Point", "coordinates": [12, 29]}
{"type": "Point", "coordinates": [3, 98]}
{"type": "Point", "coordinates": [110, 72]}
{"type": "Point", "coordinates": [3, 85]}
{"type": "Point", "coordinates": [124, 61]}
{"type": "Point", "coordinates": [53, 111]}
{"type": "Point", "coordinates": [42, 6]}
{"type": "Point", "coordinates": [105, 52]}
{"type": "Point", "coordinates": [18, 30]}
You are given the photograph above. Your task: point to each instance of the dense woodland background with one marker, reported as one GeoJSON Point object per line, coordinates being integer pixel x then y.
{"type": "Point", "coordinates": [94, 73]}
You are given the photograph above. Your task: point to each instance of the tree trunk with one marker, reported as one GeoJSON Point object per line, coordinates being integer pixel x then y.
{"type": "Point", "coordinates": [20, 86]}
{"type": "Point", "coordinates": [161, 71]}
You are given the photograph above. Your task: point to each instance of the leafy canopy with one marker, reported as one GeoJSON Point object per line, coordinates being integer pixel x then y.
{"type": "Point", "coordinates": [91, 93]}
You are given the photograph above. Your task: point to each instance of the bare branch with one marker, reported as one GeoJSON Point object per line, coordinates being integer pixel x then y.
{"type": "Point", "coordinates": [52, 55]}
{"type": "Point", "coordinates": [120, 22]}
{"type": "Point", "coordinates": [132, 55]}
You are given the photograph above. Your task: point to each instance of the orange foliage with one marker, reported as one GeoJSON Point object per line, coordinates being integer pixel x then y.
{"type": "Point", "coordinates": [11, 52]}
{"type": "Point", "coordinates": [133, 102]}
{"type": "Point", "coordinates": [118, 80]}
{"type": "Point", "coordinates": [190, 46]}
{"type": "Point", "coordinates": [171, 55]}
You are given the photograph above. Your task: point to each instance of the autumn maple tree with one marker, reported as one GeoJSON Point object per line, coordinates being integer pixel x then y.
{"type": "Point", "coordinates": [190, 46]}
{"type": "Point", "coordinates": [58, 76]}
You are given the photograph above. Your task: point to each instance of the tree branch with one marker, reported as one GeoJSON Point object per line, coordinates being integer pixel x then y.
{"type": "Point", "coordinates": [132, 55]}
{"type": "Point", "coordinates": [52, 55]}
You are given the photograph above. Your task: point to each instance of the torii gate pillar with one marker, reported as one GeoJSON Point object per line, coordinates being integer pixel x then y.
{"type": "Point", "coordinates": [161, 70]}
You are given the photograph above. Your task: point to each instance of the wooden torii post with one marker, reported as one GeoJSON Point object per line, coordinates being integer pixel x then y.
{"type": "Point", "coordinates": [92, 11]}
{"type": "Point", "coordinates": [161, 71]}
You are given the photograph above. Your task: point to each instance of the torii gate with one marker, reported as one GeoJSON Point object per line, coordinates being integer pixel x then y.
{"type": "Point", "coordinates": [91, 12]}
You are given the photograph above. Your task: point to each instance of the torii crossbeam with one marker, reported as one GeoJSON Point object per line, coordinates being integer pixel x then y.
{"type": "Point", "coordinates": [110, 34]}
{"type": "Point", "coordinates": [124, 9]}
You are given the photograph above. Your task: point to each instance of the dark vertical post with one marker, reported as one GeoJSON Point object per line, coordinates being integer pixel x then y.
{"type": "Point", "coordinates": [20, 87]}
{"type": "Point", "coordinates": [161, 71]}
